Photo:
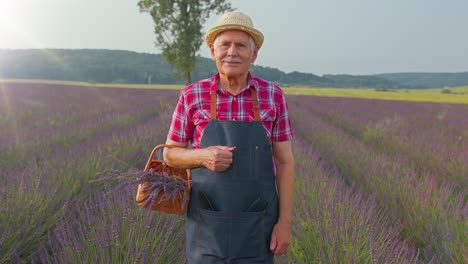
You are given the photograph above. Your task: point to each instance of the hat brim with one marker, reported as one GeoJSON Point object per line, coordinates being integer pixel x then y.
{"type": "Point", "coordinates": [215, 31]}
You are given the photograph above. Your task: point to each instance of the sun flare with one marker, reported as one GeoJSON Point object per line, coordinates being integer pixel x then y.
{"type": "Point", "coordinates": [14, 17]}
{"type": "Point", "coordinates": [9, 14]}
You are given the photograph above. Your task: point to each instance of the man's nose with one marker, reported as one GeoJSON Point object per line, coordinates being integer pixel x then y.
{"type": "Point", "coordinates": [232, 50]}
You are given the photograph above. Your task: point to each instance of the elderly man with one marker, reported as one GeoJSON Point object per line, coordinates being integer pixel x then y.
{"type": "Point", "coordinates": [241, 157]}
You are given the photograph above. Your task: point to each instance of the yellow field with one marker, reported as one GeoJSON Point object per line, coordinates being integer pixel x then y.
{"type": "Point", "coordinates": [459, 95]}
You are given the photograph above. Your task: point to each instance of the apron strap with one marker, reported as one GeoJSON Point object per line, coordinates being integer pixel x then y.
{"type": "Point", "coordinates": [255, 107]}
{"type": "Point", "coordinates": [255, 104]}
{"type": "Point", "coordinates": [213, 104]}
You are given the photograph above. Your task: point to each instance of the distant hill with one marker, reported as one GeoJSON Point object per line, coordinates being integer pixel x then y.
{"type": "Point", "coordinates": [427, 80]}
{"type": "Point", "coordinates": [118, 66]}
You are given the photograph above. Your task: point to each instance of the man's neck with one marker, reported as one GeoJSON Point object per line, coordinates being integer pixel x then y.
{"type": "Point", "coordinates": [233, 84]}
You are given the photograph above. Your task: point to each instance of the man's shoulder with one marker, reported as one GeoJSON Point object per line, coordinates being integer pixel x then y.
{"type": "Point", "coordinates": [199, 86]}
{"type": "Point", "coordinates": [265, 85]}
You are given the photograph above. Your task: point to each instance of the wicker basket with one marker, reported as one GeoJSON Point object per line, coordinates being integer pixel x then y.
{"type": "Point", "coordinates": [169, 206]}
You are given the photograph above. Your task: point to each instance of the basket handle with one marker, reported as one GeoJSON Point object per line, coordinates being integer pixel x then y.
{"type": "Point", "coordinates": [153, 153]}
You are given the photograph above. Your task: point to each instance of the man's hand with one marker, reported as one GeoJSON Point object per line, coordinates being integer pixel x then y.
{"type": "Point", "coordinates": [220, 158]}
{"type": "Point", "coordinates": [280, 238]}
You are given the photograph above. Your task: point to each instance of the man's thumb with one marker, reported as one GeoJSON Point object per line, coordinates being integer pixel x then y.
{"type": "Point", "coordinates": [273, 243]}
{"type": "Point", "coordinates": [228, 148]}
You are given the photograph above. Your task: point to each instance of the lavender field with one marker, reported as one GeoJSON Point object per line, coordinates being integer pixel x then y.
{"type": "Point", "coordinates": [377, 181]}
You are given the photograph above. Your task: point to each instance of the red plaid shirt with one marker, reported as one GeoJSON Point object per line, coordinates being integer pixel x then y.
{"type": "Point", "coordinates": [192, 113]}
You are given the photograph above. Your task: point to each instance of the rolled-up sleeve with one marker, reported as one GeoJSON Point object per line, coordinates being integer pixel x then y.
{"type": "Point", "coordinates": [282, 128]}
{"type": "Point", "coordinates": [181, 129]}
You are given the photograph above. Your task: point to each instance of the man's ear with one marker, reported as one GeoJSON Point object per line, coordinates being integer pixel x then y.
{"type": "Point", "coordinates": [254, 56]}
{"type": "Point", "coordinates": [212, 51]}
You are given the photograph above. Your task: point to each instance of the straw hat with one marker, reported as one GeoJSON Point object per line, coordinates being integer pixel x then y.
{"type": "Point", "coordinates": [234, 21]}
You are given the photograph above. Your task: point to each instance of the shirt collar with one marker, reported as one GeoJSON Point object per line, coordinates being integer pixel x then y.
{"type": "Point", "coordinates": [251, 83]}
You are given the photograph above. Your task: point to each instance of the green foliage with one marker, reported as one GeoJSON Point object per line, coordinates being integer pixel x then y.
{"type": "Point", "coordinates": [446, 91]}
{"type": "Point", "coordinates": [427, 80]}
{"type": "Point", "coordinates": [118, 66]}
{"type": "Point", "coordinates": [178, 27]}
{"type": "Point", "coordinates": [361, 81]}
{"type": "Point", "coordinates": [94, 66]}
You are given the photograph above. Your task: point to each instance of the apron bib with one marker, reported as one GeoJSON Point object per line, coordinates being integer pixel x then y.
{"type": "Point", "coordinates": [231, 214]}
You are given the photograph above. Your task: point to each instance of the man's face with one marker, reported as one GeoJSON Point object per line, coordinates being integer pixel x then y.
{"type": "Point", "coordinates": [233, 53]}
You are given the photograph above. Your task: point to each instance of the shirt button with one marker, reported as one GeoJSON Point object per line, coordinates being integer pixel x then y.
{"type": "Point", "coordinates": [233, 119]}
{"type": "Point", "coordinates": [234, 98]}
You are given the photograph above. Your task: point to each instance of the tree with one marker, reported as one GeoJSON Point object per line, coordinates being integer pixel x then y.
{"type": "Point", "coordinates": [178, 28]}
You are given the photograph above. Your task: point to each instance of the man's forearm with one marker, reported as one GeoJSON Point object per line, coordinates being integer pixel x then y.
{"type": "Point", "coordinates": [285, 184]}
{"type": "Point", "coordinates": [185, 158]}
{"type": "Point", "coordinates": [215, 158]}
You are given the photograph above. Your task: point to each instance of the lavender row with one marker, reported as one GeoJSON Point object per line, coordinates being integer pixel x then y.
{"type": "Point", "coordinates": [333, 224]}
{"type": "Point", "coordinates": [33, 113]}
{"type": "Point", "coordinates": [431, 215]}
{"type": "Point", "coordinates": [41, 192]}
{"type": "Point", "coordinates": [431, 136]}
{"type": "Point", "coordinates": [111, 229]}
{"type": "Point", "coordinates": [88, 111]}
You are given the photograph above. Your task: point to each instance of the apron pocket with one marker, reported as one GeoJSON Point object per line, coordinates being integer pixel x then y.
{"type": "Point", "coordinates": [239, 235]}
{"type": "Point", "coordinates": [247, 235]}
{"type": "Point", "coordinates": [212, 229]}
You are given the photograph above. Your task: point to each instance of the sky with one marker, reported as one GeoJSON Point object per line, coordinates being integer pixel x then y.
{"type": "Point", "coordinates": [312, 36]}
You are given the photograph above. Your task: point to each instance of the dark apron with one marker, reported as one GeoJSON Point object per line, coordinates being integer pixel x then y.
{"type": "Point", "coordinates": [231, 214]}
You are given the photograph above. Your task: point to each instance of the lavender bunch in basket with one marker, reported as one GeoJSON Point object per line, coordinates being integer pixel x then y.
{"type": "Point", "coordinates": [168, 187]}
